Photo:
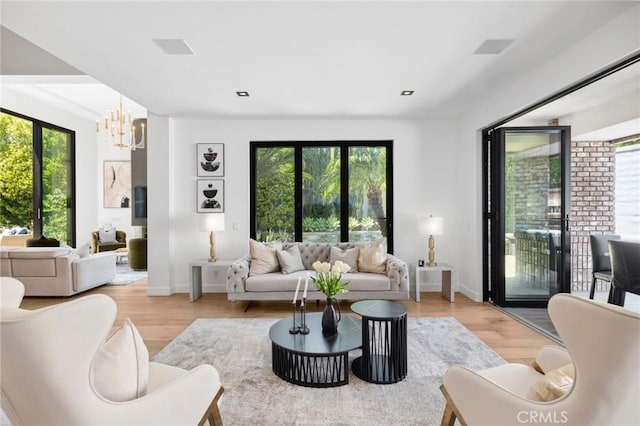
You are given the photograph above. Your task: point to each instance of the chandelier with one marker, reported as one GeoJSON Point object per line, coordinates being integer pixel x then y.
{"type": "Point", "coordinates": [121, 131]}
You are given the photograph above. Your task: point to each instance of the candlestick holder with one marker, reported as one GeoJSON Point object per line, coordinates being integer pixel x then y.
{"type": "Point", "coordinates": [303, 317]}
{"type": "Point", "coordinates": [295, 329]}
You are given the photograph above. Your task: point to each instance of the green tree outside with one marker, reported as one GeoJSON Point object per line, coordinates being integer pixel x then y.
{"type": "Point", "coordinates": [275, 213]}
{"type": "Point", "coordinates": [16, 178]}
{"type": "Point", "coordinates": [16, 165]}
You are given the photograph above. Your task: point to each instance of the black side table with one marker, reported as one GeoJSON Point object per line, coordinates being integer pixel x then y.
{"type": "Point", "coordinates": [384, 342]}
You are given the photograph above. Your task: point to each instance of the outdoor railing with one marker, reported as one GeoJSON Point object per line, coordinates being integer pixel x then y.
{"type": "Point", "coordinates": [581, 264]}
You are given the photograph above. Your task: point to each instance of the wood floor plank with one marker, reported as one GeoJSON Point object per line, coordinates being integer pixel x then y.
{"type": "Point", "coordinates": [160, 319]}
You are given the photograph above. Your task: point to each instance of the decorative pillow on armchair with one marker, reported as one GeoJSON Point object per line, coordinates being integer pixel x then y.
{"type": "Point", "coordinates": [263, 257]}
{"type": "Point", "coordinates": [553, 385]}
{"type": "Point", "coordinates": [107, 235]}
{"type": "Point", "coordinates": [121, 366]}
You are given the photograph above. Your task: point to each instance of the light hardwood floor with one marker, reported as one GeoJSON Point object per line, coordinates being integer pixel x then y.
{"type": "Point", "coordinates": [160, 319]}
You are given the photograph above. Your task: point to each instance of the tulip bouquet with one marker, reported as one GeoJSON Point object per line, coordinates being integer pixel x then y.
{"type": "Point", "coordinates": [328, 278]}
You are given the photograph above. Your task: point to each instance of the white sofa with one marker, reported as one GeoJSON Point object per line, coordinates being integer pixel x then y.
{"type": "Point", "coordinates": [56, 271]}
{"type": "Point", "coordinates": [392, 284]}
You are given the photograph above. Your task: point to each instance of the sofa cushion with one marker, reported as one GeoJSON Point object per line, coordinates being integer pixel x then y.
{"type": "Point", "coordinates": [39, 252]}
{"type": "Point", "coordinates": [348, 256]}
{"type": "Point", "coordinates": [363, 281]}
{"type": "Point", "coordinates": [121, 366]}
{"type": "Point", "coordinates": [373, 257]}
{"type": "Point", "coordinates": [290, 260]}
{"type": "Point", "coordinates": [276, 282]}
{"type": "Point", "coordinates": [263, 257]}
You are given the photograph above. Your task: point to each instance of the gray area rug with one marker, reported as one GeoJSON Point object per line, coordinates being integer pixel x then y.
{"type": "Point", "coordinates": [125, 275]}
{"type": "Point", "coordinates": [240, 350]}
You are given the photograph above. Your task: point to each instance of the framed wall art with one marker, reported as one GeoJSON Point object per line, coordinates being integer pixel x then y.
{"type": "Point", "coordinates": [116, 184]}
{"type": "Point", "coordinates": [210, 196]}
{"type": "Point", "coordinates": [210, 159]}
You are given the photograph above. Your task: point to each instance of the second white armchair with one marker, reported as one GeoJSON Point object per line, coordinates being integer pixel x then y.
{"type": "Point", "coordinates": [603, 342]}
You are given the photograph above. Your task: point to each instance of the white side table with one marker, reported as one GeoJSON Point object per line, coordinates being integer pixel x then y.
{"type": "Point", "coordinates": [196, 269]}
{"type": "Point", "coordinates": [446, 287]}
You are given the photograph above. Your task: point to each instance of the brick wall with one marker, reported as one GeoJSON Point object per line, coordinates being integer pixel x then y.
{"type": "Point", "coordinates": [592, 203]}
{"type": "Point", "coordinates": [593, 168]}
{"type": "Point", "coordinates": [531, 176]}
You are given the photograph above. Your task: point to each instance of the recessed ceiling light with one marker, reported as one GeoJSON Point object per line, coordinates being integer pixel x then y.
{"type": "Point", "coordinates": [406, 93]}
{"type": "Point", "coordinates": [493, 47]}
{"type": "Point", "coordinates": [242, 94]}
{"type": "Point", "coordinates": [173, 46]}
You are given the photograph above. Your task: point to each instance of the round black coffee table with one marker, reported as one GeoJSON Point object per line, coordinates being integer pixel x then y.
{"type": "Point", "coordinates": [311, 359]}
{"type": "Point", "coordinates": [384, 341]}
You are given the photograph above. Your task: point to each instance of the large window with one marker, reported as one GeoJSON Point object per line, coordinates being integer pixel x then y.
{"type": "Point", "coordinates": [322, 191]}
{"type": "Point", "coordinates": [37, 178]}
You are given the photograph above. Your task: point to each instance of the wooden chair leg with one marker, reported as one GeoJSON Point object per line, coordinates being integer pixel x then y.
{"type": "Point", "coordinates": [213, 412]}
{"type": "Point", "coordinates": [448, 417]}
{"type": "Point", "coordinates": [451, 412]}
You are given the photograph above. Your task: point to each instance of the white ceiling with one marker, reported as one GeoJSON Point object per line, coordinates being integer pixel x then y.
{"type": "Point", "coordinates": [303, 59]}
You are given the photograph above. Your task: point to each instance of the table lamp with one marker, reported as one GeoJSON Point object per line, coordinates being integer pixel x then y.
{"type": "Point", "coordinates": [432, 226]}
{"type": "Point", "coordinates": [211, 222]}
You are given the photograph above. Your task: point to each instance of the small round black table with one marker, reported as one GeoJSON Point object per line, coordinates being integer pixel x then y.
{"type": "Point", "coordinates": [311, 359]}
{"type": "Point", "coordinates": [384, 342]}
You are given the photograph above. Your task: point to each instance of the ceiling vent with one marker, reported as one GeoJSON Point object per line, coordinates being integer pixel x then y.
{"type": "Point", "coordinates": [492, 47]}
{"type": "Point", "coordinates": [173, 46]}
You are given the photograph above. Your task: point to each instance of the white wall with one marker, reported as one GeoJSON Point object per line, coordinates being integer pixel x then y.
{"type": "Point", "coordinates": [423, 184]}
{"type": "Point", "coordinates": [120, 218]}
{"type": "Point", "coordinates": [86, 154]}
{"type": "Point", "coordinates": [610, 43]}
{"type": "Point", "coordinates": [614, 112]}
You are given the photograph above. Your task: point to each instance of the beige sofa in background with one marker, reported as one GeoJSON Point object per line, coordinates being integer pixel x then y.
{"type": "Point", "coordinates": [56, 271]}
{"type": "Point", "coordinates": [18, 240]}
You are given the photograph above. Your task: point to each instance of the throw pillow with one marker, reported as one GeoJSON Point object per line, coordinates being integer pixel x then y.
{"type": "Point", "coordinates": [121, 366]}
{"type": "Point", "coordinates": [263, 257]}
{"type": "Point", "coordinates": [373, 257]}
{"type": "Point", "coordinates": [107, 235]}
{"type": "Point", "coordinates": [348, 256]}
{"type": "Point", "coordinates": [83, 250]}
{"type": "Point", "coordinates": [290, 260]}
{"type": "Point", "coordinates": [553, 385]}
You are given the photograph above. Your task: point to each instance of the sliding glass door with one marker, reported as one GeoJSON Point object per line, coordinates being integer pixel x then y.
{"type": "Point", "coordinates": [37, 177]}
{"type": "Point", "coordinates": [527, 214]}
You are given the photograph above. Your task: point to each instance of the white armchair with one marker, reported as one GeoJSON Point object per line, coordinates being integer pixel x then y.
{"type": "Point", "coordinates": [604, 343]}
{"type": "Point", "coordinates": [47, 356]}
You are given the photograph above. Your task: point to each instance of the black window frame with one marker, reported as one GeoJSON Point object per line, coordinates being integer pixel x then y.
{"type": "Point", "coordinates": [37, 129]}
{"type": "Point", "coordinates": [344, 146]}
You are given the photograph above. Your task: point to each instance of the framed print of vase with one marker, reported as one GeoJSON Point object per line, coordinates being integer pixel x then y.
{"type": "Point", "coordinates": [210, 196]}
{"type": "Point", "coordinates": [210, 159]}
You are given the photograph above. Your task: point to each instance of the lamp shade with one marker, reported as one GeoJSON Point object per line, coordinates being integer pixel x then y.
{"type": "Point", "coordinates": [433, 225]}
{"type": "Point", "coordinates": [212, 222]}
